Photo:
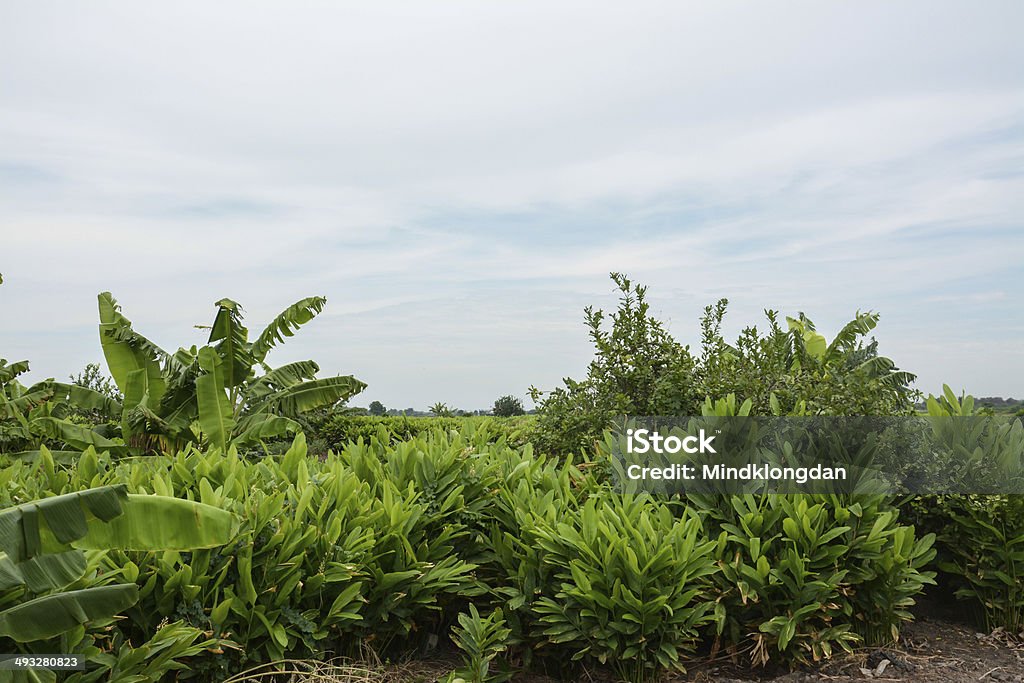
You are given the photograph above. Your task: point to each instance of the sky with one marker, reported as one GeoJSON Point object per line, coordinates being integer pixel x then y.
{"type": "Point", "coordinates": [459, 178]}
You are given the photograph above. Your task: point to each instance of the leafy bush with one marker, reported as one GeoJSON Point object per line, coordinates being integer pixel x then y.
{"type": "Point", "coordinates": [640, 369]}
{"type": "Point", "coordinates": [982, 543]}
{"type": "Point", "coordinates": [384, 544]}
{"type": "Point", "coordinates": [805, 575]}
{"type": "Point", "coordinates": [339, 430]}
{"type": "Point", "coordinates": [630, 585]}
{"type": "Point", "coordinates": [508, 406]}
{"type": "Point", "coordinates": [980, 537]}
{"type": "Point", "coordinates": [481, 640]}
{"type": "Point", "coordinates": [53, 586]}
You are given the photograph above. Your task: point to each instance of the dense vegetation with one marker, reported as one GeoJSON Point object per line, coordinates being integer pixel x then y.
{"type": "Point", "coordinates": [325, 533]}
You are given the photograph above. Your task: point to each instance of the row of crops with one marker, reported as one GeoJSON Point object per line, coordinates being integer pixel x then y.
{"type": "Point", "coordinates": [455, 539]}
{"type": "Point", "coordinates": [203, 513]}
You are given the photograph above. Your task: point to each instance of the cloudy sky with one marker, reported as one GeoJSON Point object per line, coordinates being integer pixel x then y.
{"type": "Point", "coordinates": [458, 178]}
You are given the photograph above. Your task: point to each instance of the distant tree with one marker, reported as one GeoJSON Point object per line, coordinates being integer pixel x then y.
{"type": "Point", "coordinates": [93, 378]}
{"type": "Point", "coordinates": [507, 406]}
{"type": "Point", "coordinates": [441, 410]}
{"type": "Point", "coordinates": [377, 408]}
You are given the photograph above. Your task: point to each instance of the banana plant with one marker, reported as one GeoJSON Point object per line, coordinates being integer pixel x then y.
{"type": "Point", "coordinates": [846, 351]}
{"type": "Point", "coordinates": [48, 583]}
{"type": "Point", "coordinates": [37, 414]}
{"type": "Point", "coordinates": [221, 394]}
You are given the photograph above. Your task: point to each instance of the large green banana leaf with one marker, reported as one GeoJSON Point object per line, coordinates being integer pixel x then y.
{"type": "Point", "coordinates": [162, 523]}
{"type": "Point", "coordinates": [286, 323]}
{"type": "Point", "coordinates": [281, 378]}
{"type": "Point", "coordinates": [215, 411]}
{"type": "Point", "coordinates": [310, 395]}
{"type": "Point", "coordinates": [234, 342]}
{"type": "Point", "coordinates": [87, 399]}
{"type": "Point", "coordinates": [74, 435]}
{"type": "Point", "coordinates": [24, 400]}
{"type": "Point", "coordinates": [51, 615]}
{"type": "Point", "coordinates": [254, 428]}
{"type": "Point", "coordinates": [12, 370]}
{"type": "Point", "coordinates": [62, 518]}
{"type": "Point", "coordinates": [861, 324]}
{"type": "Point", "coordinates": [42, 573]}
{"type": "Point", "coordinates": [125, 350]}
{"type": "Point", "coordinates": [108, 517]}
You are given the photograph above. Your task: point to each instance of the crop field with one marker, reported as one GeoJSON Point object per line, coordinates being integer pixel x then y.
{"type": "Point", "coordinates": [204, 516]}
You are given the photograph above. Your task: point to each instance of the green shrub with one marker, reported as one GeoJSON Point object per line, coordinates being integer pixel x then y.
{"type": "Point", "coordinates": [807, 574]}
{"type": "Point", "coordinates": [337, 431]}
{"type": "Point", "coordinates": [982, 554]}
{"type": "Point", "coordinates": [383, 544]}
{"type": "Point", "coordinates": [630, 586]}
{"type": "Point", "coordinates": [640, 369]}
{"type": "Point", "coordinates": [481, 640]}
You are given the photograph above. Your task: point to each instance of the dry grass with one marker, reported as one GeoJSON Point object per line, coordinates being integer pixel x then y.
{"type": "Point", "coordinates": [342, 671]}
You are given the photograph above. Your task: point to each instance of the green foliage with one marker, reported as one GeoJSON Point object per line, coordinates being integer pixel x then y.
{"type": "Point", "coordinates": [42, 414]}
{"type": "Point", "coordinates": [481, 640]}
{"type": "Point", "coordinates": [640, 369]}
{"type": "Point", "coordinates": [377, 409]}
{"type": "Point", "coordinates": [812, 574]}
{"type": "Point", "coordinates": [365, 549]}
{"type": "Point", "coordinates": [221, 394]}
{"type": "Point", "coordinates": [52, 585]}
{"type": "Point", "coordinates": [441, 410]}
{"type": "Point", "coordinates": [982, 543]}
{"type": "Point", "coordinates": [383, 544]}
{"type": "Point", "coordinates": [508, 406]}
{"type": "Point", "coordinates": [980, 537]}
{"type": "Point", "coordinates": [629, 585]}
{"type": "Point", "coordinates": [339, 430]}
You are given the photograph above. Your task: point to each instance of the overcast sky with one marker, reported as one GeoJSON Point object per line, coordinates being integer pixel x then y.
{"type": "Point", "coordinates": [458, 178]}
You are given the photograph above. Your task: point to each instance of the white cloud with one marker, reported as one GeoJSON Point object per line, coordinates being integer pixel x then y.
{"type": "Point", "coordinates": [406, 159]}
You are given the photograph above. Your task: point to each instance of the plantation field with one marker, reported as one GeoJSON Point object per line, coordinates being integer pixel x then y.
{"type": "Point", "coordinates": [205, 516]}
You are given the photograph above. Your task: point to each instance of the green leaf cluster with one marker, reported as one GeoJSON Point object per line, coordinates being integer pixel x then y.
{"type": "Point", "coordinates": [639, 369]}
{"type": "Point", "coordinates": [221, 394]}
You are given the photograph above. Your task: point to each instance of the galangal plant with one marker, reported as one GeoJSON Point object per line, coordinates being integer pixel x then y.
{"type": "Point", "coordinates": [630, 585]}
{"type": "Point", "coordinates": [481, 640]}
{"type": "Point", "coordinates": [804, 575]}
{"type": "Point", "coordinates": [223, 393]}
{"type": "Point", "coordinates": [981, 537]}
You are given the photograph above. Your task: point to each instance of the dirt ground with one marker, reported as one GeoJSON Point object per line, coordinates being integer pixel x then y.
{"type": "Point", "coordinates": [931, 651]}
{"type": "Point", "coordinates": [940, 646]}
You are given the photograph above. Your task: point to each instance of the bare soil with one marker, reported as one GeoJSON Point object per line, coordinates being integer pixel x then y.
{"type": "Point", "coordinates": [930, 651]}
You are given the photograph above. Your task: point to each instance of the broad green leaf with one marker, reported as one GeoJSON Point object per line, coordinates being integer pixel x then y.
{"type": "Point", "coordinates": [162, 523]}
{"type": "Point", "coordinates": [74, 435]}
{"type": "Point", "coordinates": [234, 342]}
{"type": "Point", "coordinates": [317, 393]}
{"type": "Point", "coordinates": [51, 615]}
{"type": "Point", "coordinates": [125, 350]}
{"type": "Point", "coordinates": [255, 428]}
{"type": "Point", "coordinates": [286, 323]}
{"type": "Point", "coordinates": [215, 414]}
{"type": "Point", "coordinates": [281, 378]}
{"type": "Point", "coordinates": [66, 519]}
